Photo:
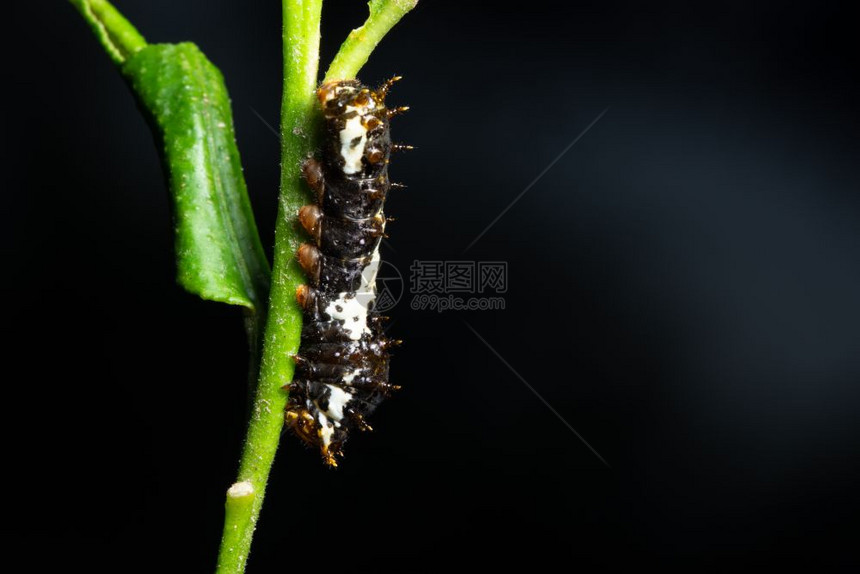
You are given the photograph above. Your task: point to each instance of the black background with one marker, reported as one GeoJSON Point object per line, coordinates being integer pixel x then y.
{"type": "Point", "coordinates": [684, 289]}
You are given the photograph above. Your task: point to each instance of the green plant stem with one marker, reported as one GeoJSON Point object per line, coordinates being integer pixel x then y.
{"type": "Point", "coordinates": [360, 43]}
{"type": "Point", "coordinates": [238, 515]}
{"type": "Point", "coordinates": [301, 33]}
{"type": "Point", "coordinates": [118, 37]}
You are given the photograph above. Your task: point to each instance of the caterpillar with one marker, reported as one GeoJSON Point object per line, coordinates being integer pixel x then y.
{"type": "Point", "coordinates": [341, 372]}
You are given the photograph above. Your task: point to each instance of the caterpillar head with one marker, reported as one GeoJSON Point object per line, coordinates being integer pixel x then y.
{"type": "Point", "coordinates": [357, 119]}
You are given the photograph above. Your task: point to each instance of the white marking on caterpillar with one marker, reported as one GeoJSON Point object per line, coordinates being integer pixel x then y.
{"type": "Point", "coordinates": [326, 429]}
{"type": "Point", "coordinates": [349, 377]}
{"type": "Point", "coordinates": [338, 399]}
{"type": "Point", "coordinates": [355, 306]}
{"type": "Point", "coordinates": [353, 130]}
{"type": "Point", "coordinates": [352, 312]}
{"type": "Point", "coordinates": [368, 274]}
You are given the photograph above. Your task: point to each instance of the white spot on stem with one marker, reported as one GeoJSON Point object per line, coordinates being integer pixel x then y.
{"type": "Point", "coordinates": [241, 489]}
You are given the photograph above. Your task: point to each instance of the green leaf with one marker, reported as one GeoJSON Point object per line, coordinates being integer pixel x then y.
{"type": "Point", "coordinates": [218, 251]}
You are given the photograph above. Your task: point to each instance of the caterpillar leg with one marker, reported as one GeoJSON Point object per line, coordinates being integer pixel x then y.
{"type": "Point", "coordinates": [312, 171]}
{"type": "Point", "coordinates": [329, 455]}
{"type": "Point", "coordinates": [310, 217]}
{"type": "Point", "coordinates": [309, 259]}
{"type": "Point", "coordinates": [302, 423]}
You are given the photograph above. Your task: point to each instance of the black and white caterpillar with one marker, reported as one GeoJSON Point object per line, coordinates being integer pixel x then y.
{"type": "Point", "coordinates": [342, 364]}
